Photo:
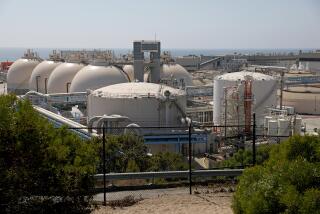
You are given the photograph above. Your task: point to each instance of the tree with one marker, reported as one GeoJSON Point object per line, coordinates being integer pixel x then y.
{"type": "Point", "coordinates": [244, 157]}
{"type": "Point", "coordinates": [166, 161]}
{"type": "Point", "coordinates": [288, 182]}
{"type": "Point", "coordinates": [122, 150]}
{"type": "Point", "coordinates": [41, 167]}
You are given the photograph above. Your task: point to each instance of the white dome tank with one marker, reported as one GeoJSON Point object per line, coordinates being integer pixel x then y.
{"type": "Point", "coordinates": [19, 74]}
{"type": "Point", "coordinates": [94, 77]}
{"type": "Point", "coordinates": [264, 91]}
{"type": "Point", "coordinates": [61, 77]}
{"type": "Point", "coordinates": [40, 75]}
{"type": "Point", "coordinates": [143, 103]}
{"type": "Point", "coordinates": [176, 72]}
{"type": "Point", "coordinates": [129, 71]}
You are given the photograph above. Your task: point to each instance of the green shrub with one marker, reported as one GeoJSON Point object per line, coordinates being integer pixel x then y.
{"type": "Point", "coordinates": [244, 157]}
{"type": "Point", "coordinates": [42, 168]}
{"type": "Point", "coordinates": [288, 182]}
{"type": "Point", "coordinates": [166, 161]}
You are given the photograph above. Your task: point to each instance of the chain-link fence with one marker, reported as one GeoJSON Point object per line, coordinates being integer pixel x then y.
{"type": "Point", "coordinates": [142, 162]}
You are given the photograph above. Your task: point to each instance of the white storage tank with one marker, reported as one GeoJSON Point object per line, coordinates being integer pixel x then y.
{"type": "Point", "coordinates": [146, 104]}
{"type": "Point", "coordinates": [264, 91]}
{"type": "Point", "coordinates": [297, 125]}
{"type": "Point", "coordinates": [284, 127]}
{"type": "Point", "coordinates": [94, 77]}
{"type": "Point", "coordinates": [40, 75]}
{"type": "Point", "coordinates": [272, 128]}
{"type": "Point", "coordinates": [19, 74]}
{"type": "Point", "coordinates": [61, 77]}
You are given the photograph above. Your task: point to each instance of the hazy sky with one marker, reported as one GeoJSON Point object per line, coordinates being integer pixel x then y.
{"type": "Point", "coordinates": [177, 23]}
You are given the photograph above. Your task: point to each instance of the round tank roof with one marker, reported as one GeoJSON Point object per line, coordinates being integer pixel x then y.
{"type": "Point", "coordinates": [94, 77]}
{"type": "Point", "coordinates": [241, 75]}
{"type": "Point", "coordinates": [61, 76]}
{"type": "Point", "coordinates": [19, 74]}
{"type": "Point", "coordinates": [137, 90]}
{"type": "Point", "coordinates": [176, 71]}
{"type": "Point", "coordinates": [40, 75]}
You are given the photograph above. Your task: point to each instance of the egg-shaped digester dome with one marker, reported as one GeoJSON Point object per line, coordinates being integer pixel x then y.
{"type": "Point", "coordinates": [146, 104]}
{"type": "Point", "coordinates": [62, 76]}
{"type": "Point", "coordinates": [19, 75]}
{"type": "Point", "coordinates": [94, 77]}
{"type": "Point", "coordinates": [40, 75]}
{"type": "Point", "coordinates": [176, 72]}
{"type": "Point", "coordinates": [264, 92]}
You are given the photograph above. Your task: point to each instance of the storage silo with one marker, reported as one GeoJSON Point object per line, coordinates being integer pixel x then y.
{"type": "Point", "coordinates": [272, 128]}
{"type": "Point", "coordinates": [19, 74]}
{"type": "Point", "coordinates": [93, 77]}
{"type": "Point", "coordinates": [264, 92]}
{"type": "Point", "coordinates": [297, 125]}
{"type": "Point", "coordinates": [61, 77]}
{"type": "Point", "coordinates": [146, 104]}
{"type": "Point", "coordinates": [284, 127]}
{"type": "Point", "coordinates": [40, 75]}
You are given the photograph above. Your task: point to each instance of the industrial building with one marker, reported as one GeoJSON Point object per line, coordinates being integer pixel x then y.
{"type": "Point", "coordinates": [149, 89]}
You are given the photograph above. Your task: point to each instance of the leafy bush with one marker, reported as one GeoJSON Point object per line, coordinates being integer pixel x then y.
{"type": "Point", "coordinates": [42, 168]}
{"type": "Point", "coordinates": [288, 182]}
{"type": "Point", "coordinates": [244, 157]}
{"type": "Point", "coordinates": [128, 153]}
{"type": "Point", "coordinates": [166, 161]}
{"type": "Point", "coordinates": [124, 153]}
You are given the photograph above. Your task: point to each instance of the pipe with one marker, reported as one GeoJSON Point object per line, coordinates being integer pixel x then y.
{"type": "Point", "coordinates": [136, 129]}
{"type": "Point", "coordinates": [91, 121]}
{"type": "Point", "coordinates": [108, 120]}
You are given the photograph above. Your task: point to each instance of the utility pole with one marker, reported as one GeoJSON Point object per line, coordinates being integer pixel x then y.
{"type": "Point", "coordinates": [190, 147]}
{"type": "Point", "coordinates": [104, 164]}
{"type": "Point", "coordinates": [225, 113]}
{"type": "Point", "coordinates": [254, 140]}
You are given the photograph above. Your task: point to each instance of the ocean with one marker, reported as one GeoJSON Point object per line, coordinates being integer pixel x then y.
{"type": "Point", "coordinates": [11, 54]}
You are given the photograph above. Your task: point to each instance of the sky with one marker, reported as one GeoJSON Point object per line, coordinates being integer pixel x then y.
{"type": "Point", "coordinates": [196, 24]}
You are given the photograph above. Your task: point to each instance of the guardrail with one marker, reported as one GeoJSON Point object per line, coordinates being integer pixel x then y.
{"type": "Point", "coordinates": [169, 174]}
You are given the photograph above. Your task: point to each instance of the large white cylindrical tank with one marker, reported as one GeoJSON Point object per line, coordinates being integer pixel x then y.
{"type": "Point", "coordinates": [297, 125]}
{"type": "Point", "coordinates": [129, 71]}
{"type": "Point", "coordinates": [264, 91]}
{"type": "Point", "coordinates": [284, 127]}
{"type": "Point", "coordinates": [143, 103]}
{"type": "Point", "coordinates": [94, 77]}
{"type": "Point", "coordinates": [40, 75]}
{"type": "Point", "coordinates": [176, 72]}
{"type": "Point", "coordinates": [61, 77]}
{"type": "Point", "coordinates": [272, 128]}
{"type": "Point", "coordinates": [19, 74]}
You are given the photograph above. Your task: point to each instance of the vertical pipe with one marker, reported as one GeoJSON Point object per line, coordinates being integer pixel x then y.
{"type": "Point", "coordinates": [225, 112]}
{"type": "Point", "coordinates": [68, 84]}
{"type": "Point", "coordinates": [254, 140]}
{"type": "Point", "coordinates": [104, 164]}
{"type": "Point", "coordinates": [167, 106]}
{"type": "Point", "coordinates": [37, 82]}
{"type": "Point", "coordinates": [281, 89]}
{"type": "Point", "coordinates": [45, 85]}
{"type": "Point", "coordinates": [190, 174]}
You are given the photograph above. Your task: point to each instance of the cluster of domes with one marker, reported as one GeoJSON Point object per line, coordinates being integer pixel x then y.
{"type": "Point", "coordinates": [62, 77]}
